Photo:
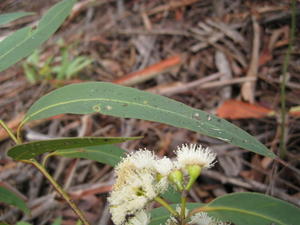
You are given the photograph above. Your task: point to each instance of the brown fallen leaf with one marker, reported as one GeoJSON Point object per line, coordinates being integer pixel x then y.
{"type": "Point", "coordinates": [234, 109]}
{"type": "Point", "coordinates": [149, 72]}
{"type": "Point", "coordinates": [295, 111]}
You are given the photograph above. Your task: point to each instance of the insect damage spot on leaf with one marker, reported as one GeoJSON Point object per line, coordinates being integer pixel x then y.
{"type": "Point", "coordinates": [97, 108]}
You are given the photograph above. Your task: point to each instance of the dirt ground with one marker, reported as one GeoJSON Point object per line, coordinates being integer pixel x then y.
{"type": "Point", "coordinates": [222, 56]}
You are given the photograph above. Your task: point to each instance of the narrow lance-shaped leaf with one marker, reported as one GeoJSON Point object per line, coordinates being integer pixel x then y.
{"type": "Point", "coordinates": [107, 154]}
{"type": "Point", "coordinates": [35, 148]}
{"type": "Point", "coordinates": [8, 17]}
{"type": "Point", "coordinates": [115, 100]}
{"type": "Point", "coordinates": [253, 208]}
{"type": "Point", "coordinates": [24, 41]}
{"type": "Point", "coordinates": [10, 198]}
{"type": "Point", "coordinates": [241, 209]}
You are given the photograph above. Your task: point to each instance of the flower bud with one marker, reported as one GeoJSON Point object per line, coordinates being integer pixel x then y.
{"type": "Point", "coordinates": [194, 172]}
{"type": "Point", "coordinates": [176, 177]}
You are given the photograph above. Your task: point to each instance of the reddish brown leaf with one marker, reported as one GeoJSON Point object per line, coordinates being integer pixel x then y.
{"type": "Point", "coordinates": [150, 71]}
{"type": "Point", "coordinates": [233, 109]}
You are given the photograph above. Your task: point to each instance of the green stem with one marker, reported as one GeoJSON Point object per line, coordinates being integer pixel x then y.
{"type": "Point", "coordinates": [183, 204]}
{"type": "Point", "coordinates": [42, 169]}
{"type": "Point", "coordinates": [19, 130]}
{"type": "Point", "coordinates": [166, 205]}
{"type": "Point", "coordinates": [10, 132]}
{"type": "Point", "coordinates": [283, 82]}
{"type": "Point", "coordinates": [59, 190]}
{"type": "Point", "coordinates": [47, 157]}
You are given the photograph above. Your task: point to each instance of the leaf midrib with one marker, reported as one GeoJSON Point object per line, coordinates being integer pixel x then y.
{"type": "Point", "coordinates": [27, 118]}
{"type": "Point", "coordinates": [21, 155]}
{"type": "Point", "coordinates": [106, 100]}
{"type": "Point", "coordinates": [222, 208]}
{"type": "Point", "coordinates": [64, 152]}
{"type": "Point", "coordinates": [38, 30]}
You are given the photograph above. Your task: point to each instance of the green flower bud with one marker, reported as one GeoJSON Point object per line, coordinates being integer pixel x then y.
{"type": "Point", "coordinates": [194, 172]}
{"type": "Point", "coordinates": [176, 177]}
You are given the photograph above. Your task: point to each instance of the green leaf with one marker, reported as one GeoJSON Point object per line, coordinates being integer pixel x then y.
{"type": "Point", "coordinates": [171, 195]}
{"type": "Point", "coordinates": [8, 17]}
{"type": "Point", "coordinates": [23, 42]}
{"type": "Point", "coordinates": [115, 100]}
{"type": "Point", "coordinates": [35, 148]}
{"type": "Point", "coordinates": [10, 198]}
{"type": "Point", "coordinates": [253, 208]}
{"type": "Point", "coordinates": [108, 154]}
{"type": "Point", "coordinates": [241, 209]}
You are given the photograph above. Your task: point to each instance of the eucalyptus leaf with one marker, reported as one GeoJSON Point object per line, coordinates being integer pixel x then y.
{"type": "Point", "coordinates": [107, 154]}
{"type": "Point", "coordinates": [35, 148]}
{"type": "Point", "coordinates": [115, 100]}
{"type": "Point", "coordinates": [23, 42]}
{"type": "Point", "coordinates": [171, 195]}
{"type": "Point", "coordinates": [241, 209]}
{"type": "Point", "coordinates": [11, 198]}
{"type": "Point", "coordinates": [253, 208]}
{"type": "Point", "coordinates": [8, 17]}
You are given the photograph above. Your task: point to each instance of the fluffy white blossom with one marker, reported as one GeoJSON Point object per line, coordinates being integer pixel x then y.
{"type": "Point", "coordinates": [140, 159]}
{"type": "Point", "coordinates": [141, 177]}
{"type": "Point", "coordinates": [141, 218]}
{"type": "Point", "coordinates": [133, 196]}
{"type": "Point", "coordinates": [172, 220]}
{"type": "Point", "coordinates": [164, 166]}
{"type": "Point", "coordinates": [194, 155]}
{"type": "Point", "coordinates": [137, 184]}
{"type": "Point", "coordinates": [203, 218]}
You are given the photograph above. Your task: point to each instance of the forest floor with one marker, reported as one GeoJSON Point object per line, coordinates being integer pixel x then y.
{"type": "Point", "coordinates": [222, 56]}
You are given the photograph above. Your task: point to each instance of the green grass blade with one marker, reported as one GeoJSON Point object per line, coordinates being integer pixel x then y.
{"type": "Point", "coordinates": [35, 148]}
{"type": "Point", "coordinates": [115, 100]}
{"type": "Point", "coordinates": [25, 45]}
{"type": "Point", "coordinates": [8, 17]}
{"type": "Point", "coordinates": [10, 198]}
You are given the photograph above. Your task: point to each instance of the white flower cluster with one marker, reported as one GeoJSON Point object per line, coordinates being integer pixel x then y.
{"type": "Point", "coordinates": [201, 218]}
{"type": "Point", "coordinates": [142, 176]}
